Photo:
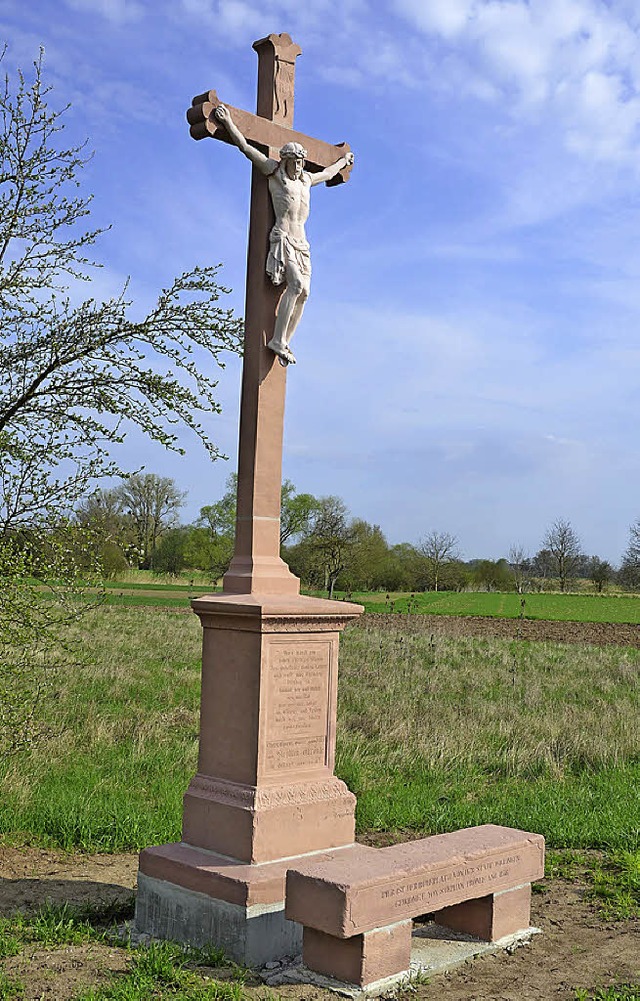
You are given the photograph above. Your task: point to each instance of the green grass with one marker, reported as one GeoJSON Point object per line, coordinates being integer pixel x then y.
{"type": "Point", "coordinates": [161, 596]}
{"type": "Point", "coordinates": [167, 600]}
{"type": "Point", "coordinates": [541, 736]}
{"type": "Point", "coordinates": [11, 989]}
{"type": "Point", "coordinates": [612, 879]}
{"type": "Point", "coordinates": [167, 970]}
{"type": "Point", "coordinates": [125, 720]}
{"type": "Point", "coordinates": [616, 885]}
{"type": "Point", "coordinates": [52, 925]}
{"type": "Point", "coordinates": [154, 594]}
{"type": "Point", "coordinates": [162, 970]}
{"type": "Point", "coordinates": [550, 607]}
{"type": "Point", "coordinates": [625, 992]}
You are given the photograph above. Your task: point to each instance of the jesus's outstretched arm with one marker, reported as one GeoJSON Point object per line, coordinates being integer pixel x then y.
{"type": "Point", "coordinates": [264, 163]}
{"type": "Point", "coordinates": [335, 168]}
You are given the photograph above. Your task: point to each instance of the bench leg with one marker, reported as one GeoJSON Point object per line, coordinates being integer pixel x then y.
{"type": "Point", "coordinates": [492, 917]}
{"type": "Point", "coordinates": [362, 959]}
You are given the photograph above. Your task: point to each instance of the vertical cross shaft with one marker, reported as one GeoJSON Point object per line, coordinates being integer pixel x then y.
{"type": "Point", "coordinates": [256, 565]}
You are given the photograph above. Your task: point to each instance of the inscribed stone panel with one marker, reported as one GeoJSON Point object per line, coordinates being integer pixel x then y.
{"type": "Point", "coordinates": [297, 705]}
{"type": "Point", "coordinates": [433, 889]}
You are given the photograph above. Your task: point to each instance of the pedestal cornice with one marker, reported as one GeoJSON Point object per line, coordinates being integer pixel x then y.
{"type": "Point", "coordinates": [266, 612]}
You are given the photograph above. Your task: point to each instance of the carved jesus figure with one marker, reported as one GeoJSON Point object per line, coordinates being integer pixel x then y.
{"type": "Point", "coordinates": [289, 260]}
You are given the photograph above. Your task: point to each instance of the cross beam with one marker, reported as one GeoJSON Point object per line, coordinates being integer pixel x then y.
{"type": "Point", "coordinates": [257, 566]}
{"type": "Point", "coordinates": [263, 133]}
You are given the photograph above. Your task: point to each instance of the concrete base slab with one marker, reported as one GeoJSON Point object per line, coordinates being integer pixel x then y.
{"type": "Point", "coordinates": [252, 934]}
{"type": "Point", "coordinates": [434, 950]}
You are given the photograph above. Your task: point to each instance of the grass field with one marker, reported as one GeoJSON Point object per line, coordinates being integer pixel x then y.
{"type": "Point", "coordinates": [432, 735]}
{"type": "Point", "coordinates": [467, 731]}
{"type": "Point", "coordinates": [552, 607]}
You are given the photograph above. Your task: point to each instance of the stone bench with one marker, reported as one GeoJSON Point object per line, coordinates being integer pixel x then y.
{"type": "Point", "coordinates": [357, 910]}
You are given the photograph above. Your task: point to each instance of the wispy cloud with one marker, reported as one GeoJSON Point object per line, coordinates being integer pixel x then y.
{"type": "Point", "coordinates": [576, 60]}
{"type": "Point", "coordinates": [117, 11]}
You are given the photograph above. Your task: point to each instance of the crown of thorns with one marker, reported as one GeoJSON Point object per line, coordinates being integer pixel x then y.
{"type": "Point", "coordinates": [293, 150]}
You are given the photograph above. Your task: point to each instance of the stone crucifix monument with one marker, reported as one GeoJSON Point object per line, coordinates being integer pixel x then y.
{"type": "Point", "coordinates": [267, 866]}
{"type": "Point", "coordinates": [265, 790]}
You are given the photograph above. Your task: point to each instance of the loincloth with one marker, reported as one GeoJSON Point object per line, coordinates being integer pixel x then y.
{"type": "Point", "coordinates": [284, 250]}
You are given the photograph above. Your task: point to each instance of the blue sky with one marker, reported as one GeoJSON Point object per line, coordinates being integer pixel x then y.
{"type": "Point", "coordinates": [468, 359]}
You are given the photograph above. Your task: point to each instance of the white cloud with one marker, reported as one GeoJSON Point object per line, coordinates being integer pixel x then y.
{"type": "Point", "coordinates": [575, 61]}
{"type": "Point", "coordinates": [446, 17]}
{"type": "Point", "coordinates": [605, 121]}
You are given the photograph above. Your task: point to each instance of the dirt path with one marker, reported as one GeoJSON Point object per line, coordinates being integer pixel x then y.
{"type": "Point", "coordinates": [575, 950]}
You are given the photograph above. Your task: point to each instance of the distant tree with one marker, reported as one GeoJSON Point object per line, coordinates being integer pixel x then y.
{"type": "Point", "coordinates": [518, 564]}
{"type": "Point", "coordinates": [402, 570]}
{"type": "Point", "coordinates": [220, 518]}
{"type": "Point", "coordinates": [210, 545]}
{"type": "Point", "coordinates": [169, 556]}
{"type": "Point", "coordinates": [437, 548]}
{"type": "Point", "coordinates": [327, 549]}
{"type": "Point", "coordinates": [333, 538]}
{"type": "Point", "coordinates": [296, 513]}
{"type": "Point", "coordinates": [630, 567]}
{"type": "Point", "coordinates": [111, 560]}
{"type": "Point", "coordinates": [152, 503]}
{"type": "Point", "coordinates": [564, 545]}
{"type": "Point", "coordinates": [368, 559]}
{"type": "Point", "coordinates": [600, 572]}
{"type": "Point", "coordinates": [102, 511]}
{"type": "Point", "coordinates": [103, 514]}
{"type": "Point", "coordinates": [494, 575]}
{"type": "Point", "coordinates": [543, 564]}
{"type": "Point", "coordinates": [305, 561]}
{"type": "Point", "coordinates": [454, 576]}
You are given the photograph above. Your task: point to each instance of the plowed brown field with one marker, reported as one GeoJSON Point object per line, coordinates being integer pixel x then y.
{"type": "Point", "coordinates": [597, 633]}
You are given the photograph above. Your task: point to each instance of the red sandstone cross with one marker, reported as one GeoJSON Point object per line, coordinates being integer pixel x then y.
{"type": "Point", "coordinates": [256, 565]}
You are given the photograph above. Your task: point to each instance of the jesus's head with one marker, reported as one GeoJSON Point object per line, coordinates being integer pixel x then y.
{"type": "Point", "coordinates": [293, 156]}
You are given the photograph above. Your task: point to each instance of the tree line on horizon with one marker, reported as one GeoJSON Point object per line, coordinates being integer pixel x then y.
{"type": "Point", "coordinates": [136, 524]}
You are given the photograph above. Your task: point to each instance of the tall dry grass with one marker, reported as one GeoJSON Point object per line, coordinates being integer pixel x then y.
{"type": "Point", "coordinates": [507, 707]}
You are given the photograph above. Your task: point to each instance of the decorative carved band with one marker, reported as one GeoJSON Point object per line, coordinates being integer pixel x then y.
{"type": "Point", "coordinates": [299, 624]}
{"type": "Point", "coordinates": [272, 796]}
{"type": "Point", "coordinates": [267, 797]}
{"type": "Point", "coordinates": [274, 623]}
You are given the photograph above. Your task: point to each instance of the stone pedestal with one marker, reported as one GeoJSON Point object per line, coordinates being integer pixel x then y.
{"type": "Point", "coordinates": [265, 787]}
{"type": "Point", "coordinates": [265, 793]}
